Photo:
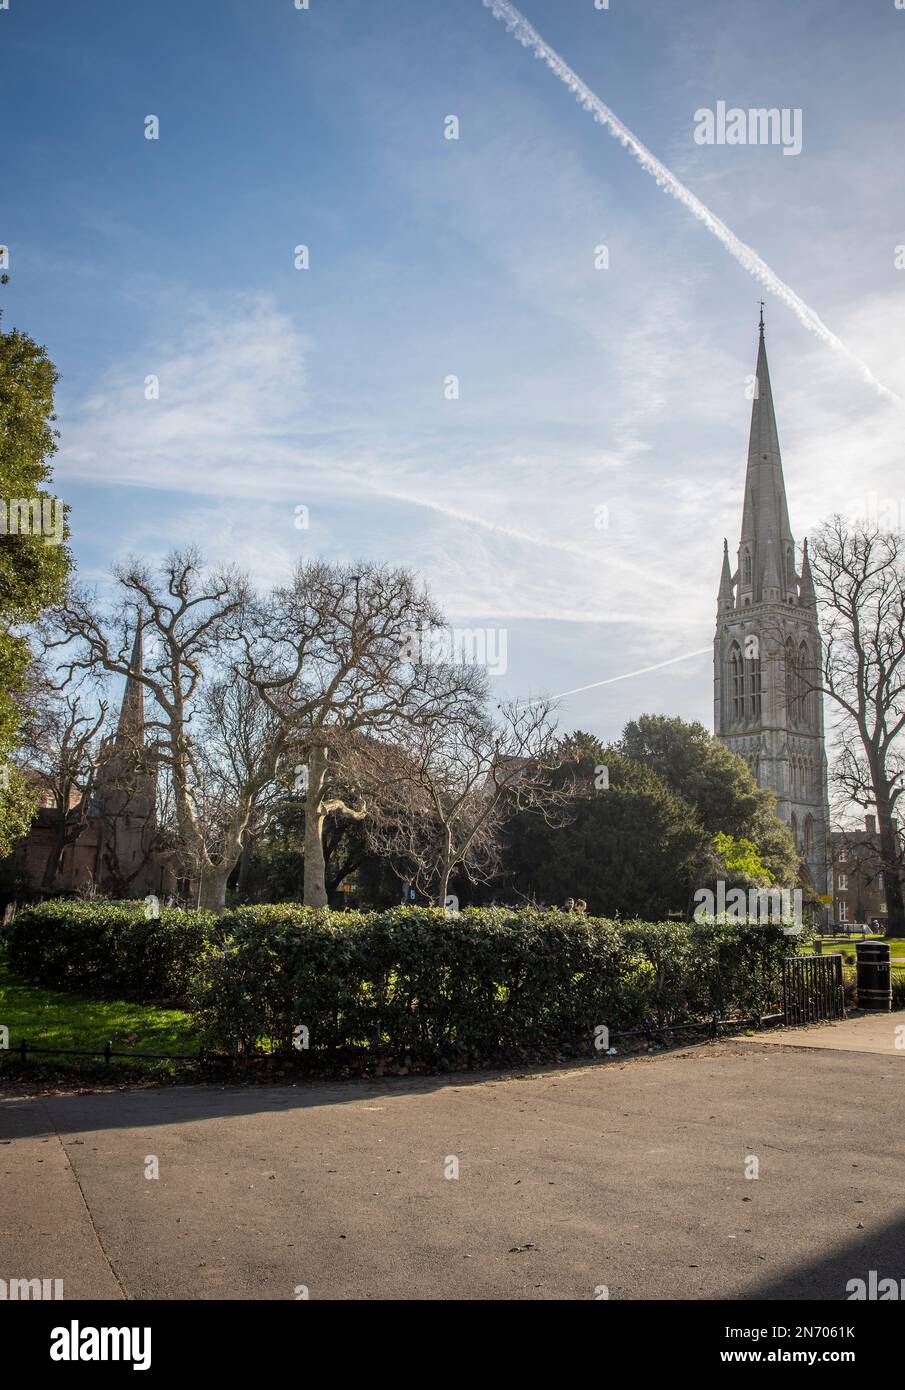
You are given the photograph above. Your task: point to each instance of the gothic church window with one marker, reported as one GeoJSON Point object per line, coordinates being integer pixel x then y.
{"type": "Point", "coordinates": [754, 686]}
{"type": "Point", "coordinates": [736, 683]}
{"type": "Point", "coordinates": [746, 566]}
{"type": "Point", "coordinates": [791, 683]}
{"type": "Point", "coordinates": [805, 681]}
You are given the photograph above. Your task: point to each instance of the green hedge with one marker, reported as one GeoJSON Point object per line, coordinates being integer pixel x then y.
{"type": "Point", "coordinates": [485, 984]}
{"type": "Point", "coordinates": [488, 983]}
{"type": "Point", "coordinates": [109, 947]}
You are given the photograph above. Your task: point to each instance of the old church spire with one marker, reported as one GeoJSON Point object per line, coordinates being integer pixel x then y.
{"type": "Point", "coordinates": [131, 724]}
{"type": "Point", "coordinates": [763, 708]}
{"type": "Point", "coordinates": [766, 556]}
{"type": "Point", "coordinates": [726, 599]}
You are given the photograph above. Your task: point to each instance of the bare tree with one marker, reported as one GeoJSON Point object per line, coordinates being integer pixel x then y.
{"type": "Point", "coordinates": [62, 748]}
{"type": "Point", "coordinates": [191, 621]}
{"type": "Point", "coordinates": [238, 737]}
{"type": "Point", "coordinates": [330, 655]}
{"type": "Point", "coordinates": [457, 782]}
{"type": "Point", "coordinates": [859, 579]}
{"type": "Point", "coordinates": [249, 693]}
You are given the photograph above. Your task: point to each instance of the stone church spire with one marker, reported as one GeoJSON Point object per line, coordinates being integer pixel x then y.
{"type": "Point", "coordinates": [807, 596]}
{"type": "Point", "coordinates": [766, 555]}
{"type": "Point", "coordinates": [126, 794]}
{"type": "Point", "coordinates": [767, 645]}
{"type": "Point", "coordinates": [726, 599]}
{"type": "Point", "coordinates": [131, 725]}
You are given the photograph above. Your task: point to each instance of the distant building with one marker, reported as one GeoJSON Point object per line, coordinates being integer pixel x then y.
{"type": "Point", "coordinates": [767, 650]}
{"type": "Point", "coordinates": [116, 851]}
{"type": "Point", "coordinates": [859, 893]}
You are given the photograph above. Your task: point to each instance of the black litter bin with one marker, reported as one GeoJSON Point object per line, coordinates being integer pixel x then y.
{"type": "Point", "coordinates": [874, 978]}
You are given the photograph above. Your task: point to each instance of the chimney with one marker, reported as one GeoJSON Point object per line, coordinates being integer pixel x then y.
{"type": "Point", "coordinates": [870, 825]}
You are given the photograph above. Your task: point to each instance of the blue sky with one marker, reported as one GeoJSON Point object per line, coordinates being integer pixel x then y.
{"type": "Point", "coordinates": [580, 388]}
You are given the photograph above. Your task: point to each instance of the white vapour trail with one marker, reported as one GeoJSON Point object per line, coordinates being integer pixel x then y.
{"type": "Point", "coordinates": [527, 537]}
{"type": "Point", "coordinates": [746, 256]}
{"type": "Point", "coordinates": [626, 675]}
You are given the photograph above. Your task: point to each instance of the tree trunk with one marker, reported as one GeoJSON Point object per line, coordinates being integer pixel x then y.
{"type": "Point", "coordinates": [892, 869]}
{"type": "Point", "coordinates": [213, 888]}
{"type": "Point", "coordinates": [315, 869]}
{"type": "Point", "coordinates": [52, 866]}
{"type": "Point", "coordinates": [445, 871]}
{"type": "Point", "coordinates": [245, 861]}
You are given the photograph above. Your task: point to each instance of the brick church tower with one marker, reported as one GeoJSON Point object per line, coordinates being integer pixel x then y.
{"type": "Point", "coordinates": [767, 650]}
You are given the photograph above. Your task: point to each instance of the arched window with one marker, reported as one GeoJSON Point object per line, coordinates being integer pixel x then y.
{"type": "Point", "coordinates": [793, 826]}
{"type": "Point", "coordinates": [805, 683]}
{"type": "Point", "coordinates": [746, 567]}
{"type": "Point", "coordinates": [791, 683]}
{"type": "Point", "coordinates": [754, 684]}
{"type": "Point", "coordinates": [736, 683]}
{"type": "Point", "coordinates": [808, 835]}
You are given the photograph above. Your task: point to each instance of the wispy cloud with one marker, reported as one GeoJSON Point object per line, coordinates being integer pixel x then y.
{"type": "Point", "coordinates": [581, 390]}
{"type": "Point", "coordinates": [235, 429]}
{"type": "Point", "coordinates": [746, 256]}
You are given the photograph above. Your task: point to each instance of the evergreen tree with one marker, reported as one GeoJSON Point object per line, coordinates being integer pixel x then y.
{"type": "Point", "coordinates": [717, 783]}
{"type": "Point", "coordinates": [632, 848]}
{"type": "Point", "coordinates": [33, 566]}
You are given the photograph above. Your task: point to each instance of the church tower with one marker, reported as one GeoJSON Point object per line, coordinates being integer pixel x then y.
{"type": "Point", "coordinates": [125, 796]}
{"type": "Point", "coordinates": [767, 652]}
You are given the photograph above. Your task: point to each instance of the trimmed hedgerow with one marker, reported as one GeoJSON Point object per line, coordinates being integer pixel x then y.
{"type": "Point", "coordinates": [487, 983]}
{"type": "Point", "coordinates": [109, 947]}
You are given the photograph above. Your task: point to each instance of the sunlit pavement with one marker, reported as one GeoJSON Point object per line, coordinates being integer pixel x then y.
{"type": "Point", "coordinates": [883, 1033]}
{"type": "Point", "coordinates": [624, 1177]}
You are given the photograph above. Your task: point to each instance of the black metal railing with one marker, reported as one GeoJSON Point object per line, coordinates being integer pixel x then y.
{"type": "Point", "coordinates": [713, 1027]}
{"type": "Point", "coordinates": [812, 989]}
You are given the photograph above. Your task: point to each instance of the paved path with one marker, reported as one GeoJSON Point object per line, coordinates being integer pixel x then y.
{"type": "Point", "coordinates": [628, 1174]}
{"type": "Point", "coordinates": [861, 1033]}
{"type": "Point", "coordinates": [46, 1230]}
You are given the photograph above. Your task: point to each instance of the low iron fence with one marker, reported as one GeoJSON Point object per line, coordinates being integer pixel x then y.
{"type": "Point", "coordinates": [812, 990]}
{"type": "Point", "coordinates": [711, 1027]}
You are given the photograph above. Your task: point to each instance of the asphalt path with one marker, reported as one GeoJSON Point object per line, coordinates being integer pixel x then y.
{"type": "Point", "coordinates": [624, 1179]}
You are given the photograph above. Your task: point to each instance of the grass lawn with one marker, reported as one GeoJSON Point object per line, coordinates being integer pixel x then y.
{"type": "Point", "coordinates": [845, 946]}
{"type": "Point", "coordinates": [50, 1018]}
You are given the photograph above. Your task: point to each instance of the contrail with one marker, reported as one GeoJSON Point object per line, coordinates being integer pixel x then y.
{"type": "Point", "coordinates": [686, 656]}
{"type": "Point", "coordinates": [746, 256]}
{"type": "Point", "coordinates": [517, 534]}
